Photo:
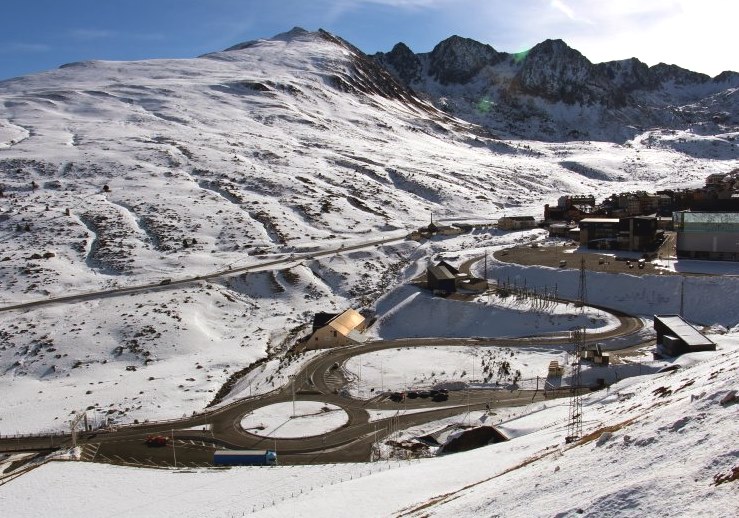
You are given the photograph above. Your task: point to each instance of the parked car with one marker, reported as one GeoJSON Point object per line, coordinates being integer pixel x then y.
{"type": "Point", "coordinates": [156, 441]}
{"type": "Point", "coordinates": [397, 397]}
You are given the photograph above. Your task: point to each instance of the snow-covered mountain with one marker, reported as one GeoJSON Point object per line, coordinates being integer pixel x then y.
{"type": "Point", "coordinates": [124, 173]}
{"type": "Point", "coordinates": [116, 174]}
{"type": "Point", "coordinates": [553, 92]}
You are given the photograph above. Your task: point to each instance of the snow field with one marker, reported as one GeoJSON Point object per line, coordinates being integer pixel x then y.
{"type": "Point", "coordinates": [422, 315]}
{"type": "Point", "coordinates": [416, 368]}
{"type": "Point", "coordinates": [645, 432]}
{"type": "Point", "coordinates": [288, 421]}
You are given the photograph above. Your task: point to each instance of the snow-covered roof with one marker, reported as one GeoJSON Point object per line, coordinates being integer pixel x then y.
{"type": "Point", "coordinates": [346, 322]}
{"type": "Point", "coordinates": [599, 220]}
{"type": "Point", "coordinates": [683, 330]}
{"type": "Point", "coordinates": [440, 272]}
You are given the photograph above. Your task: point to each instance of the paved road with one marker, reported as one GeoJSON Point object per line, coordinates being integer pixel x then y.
{"type": "Point", "coordinates": [167, 284]}
{"type": "Point", "coordinates": [318, 380]}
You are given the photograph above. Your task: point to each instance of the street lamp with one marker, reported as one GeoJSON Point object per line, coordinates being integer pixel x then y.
{"type": "Point", "coordinates": [292, 387]}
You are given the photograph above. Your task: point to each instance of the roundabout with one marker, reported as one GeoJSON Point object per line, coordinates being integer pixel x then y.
{"type": "Point", "coordinates": [340, 404]}
{"type": "Point", "coordinates": [294, 421]}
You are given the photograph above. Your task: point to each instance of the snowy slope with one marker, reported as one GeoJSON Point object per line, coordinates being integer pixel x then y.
{"type": "Point", "coordinates": [651, 446]}
{"type": "Point", "coordinates": [124, 173]}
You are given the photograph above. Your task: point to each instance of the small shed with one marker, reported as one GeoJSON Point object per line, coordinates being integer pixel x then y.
{"type": "Point", "coordinates": [595, 354]}
{"type": "Point", "coordinates": [560, 230]}
{"type": "Point", "coordinates": [675, 336]}
{"type": "Point", "coordinates": [555, 369]}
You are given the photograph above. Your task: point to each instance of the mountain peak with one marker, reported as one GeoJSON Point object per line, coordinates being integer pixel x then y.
{"type": "Point", "coordinates": [402, 61]}
{"type": "Point", "coordinates": [457, 59]}
{"type": "Point", "coordinates": [294, 34]}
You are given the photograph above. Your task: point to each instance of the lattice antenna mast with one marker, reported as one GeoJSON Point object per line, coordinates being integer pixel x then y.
{"type": "Point", "coordinates": [582, 290]}
{"type": "Point", "coordinates": [574, 425]}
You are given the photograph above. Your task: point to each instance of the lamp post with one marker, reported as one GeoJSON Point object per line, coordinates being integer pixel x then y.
{"type": "Point", "coordinates": [292, 387]}
{"type": "Point", "coordinates": [382, 377]}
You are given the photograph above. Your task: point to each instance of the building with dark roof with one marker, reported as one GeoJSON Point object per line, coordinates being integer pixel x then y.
{"type": "Point", "coordinates": [675, 336]}
{"type": "Point", "coordinates": [440, 279]}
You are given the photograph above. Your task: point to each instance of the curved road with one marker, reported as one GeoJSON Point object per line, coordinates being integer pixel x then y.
{"type": "Point", "coordinates": [318, 380]}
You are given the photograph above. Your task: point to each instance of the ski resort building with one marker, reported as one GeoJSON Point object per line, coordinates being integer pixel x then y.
{"type": "Point", "coordinates": [637, 233]}
{"type": "Point", "coordinates": [707, 235]}
{"type": "Point", "coordinates": [675, 336]}
{"type": "Point", "coordinates": [516, 222]}
{"type": "Point", "coordinates": [336, 330]}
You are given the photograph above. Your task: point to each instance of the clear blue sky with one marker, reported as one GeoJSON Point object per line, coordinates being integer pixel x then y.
{"type": "Point", "coordinates": [37, 35]}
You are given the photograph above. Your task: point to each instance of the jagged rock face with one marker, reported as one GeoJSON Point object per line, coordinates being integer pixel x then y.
{"type": "Point", "coordinates": [627, 74]}
{"type": "Point", "coordinates": [663, 73]}
{"type": "Point", "coordinates": [457, 60]}
{"type": "Point", "coordinates": [729, 77]}
{"type": "Point", "coordinates": [556, 72]}
{"type": "Point", "coordinates": [403, 62]}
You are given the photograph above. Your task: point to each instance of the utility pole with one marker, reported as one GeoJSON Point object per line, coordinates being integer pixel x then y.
{"type": "Point", "coordinates": [74, 423]}
{"type": "Point", "coordinates": [292, 387]}
{"type": "Point", "coordinates": [467, 417]}
{"type": "Point", "coordinates": [174, 453]}
{"type": "Point", "coordinates": [382, 377]}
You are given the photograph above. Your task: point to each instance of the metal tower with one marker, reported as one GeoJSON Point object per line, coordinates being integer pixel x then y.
{"type": "Point", "coordinates": [574, 425]}
{"type": "Point", "coordinates": [582, 289]}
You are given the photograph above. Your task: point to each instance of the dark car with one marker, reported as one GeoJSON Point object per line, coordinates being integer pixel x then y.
{"type": "Point", "coordinates": [156, 441]}
{"type": "Point", "coordinates": [440, 397]}
{"type": "Point", "coordinates": [424, 394]}
{"type": "Point", "coordinates": [397, 397]}
{"type": "Point", "coordinates": [412, 394]}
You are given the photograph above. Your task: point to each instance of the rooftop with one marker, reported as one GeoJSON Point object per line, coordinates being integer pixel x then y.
{"type": "Point", "coordinates": [683, 330]}
{"type": "Point", "coordinates": [688, 221]}
{"type": "Point", "coordinates": [346, 322]}
{"type": "Point", "coordinates": [440, 272]}
{"type": "Point", "coordinates": [599, 220]}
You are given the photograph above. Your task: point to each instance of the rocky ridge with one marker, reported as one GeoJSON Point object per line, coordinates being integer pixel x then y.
{"type": "Point", "coordinates": [554, 92]}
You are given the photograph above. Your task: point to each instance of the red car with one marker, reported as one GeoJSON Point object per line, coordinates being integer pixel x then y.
{"type": "Point", "coordinates": [156, 440]}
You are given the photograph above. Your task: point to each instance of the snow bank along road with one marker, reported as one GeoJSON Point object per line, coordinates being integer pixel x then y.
{"type": "Point", "coordinates": [195, 438]}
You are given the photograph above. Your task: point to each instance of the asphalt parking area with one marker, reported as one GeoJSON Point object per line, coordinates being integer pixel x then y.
{"type": "Point", "coordinates": [572, 255]}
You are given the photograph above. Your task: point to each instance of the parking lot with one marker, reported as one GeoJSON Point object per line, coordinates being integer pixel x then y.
{"type": "Point", "coordinates": [570, 256]}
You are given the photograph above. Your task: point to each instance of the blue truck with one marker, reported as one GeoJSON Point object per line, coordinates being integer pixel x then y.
{"type": "Point", "coordinates": [245, 458]}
